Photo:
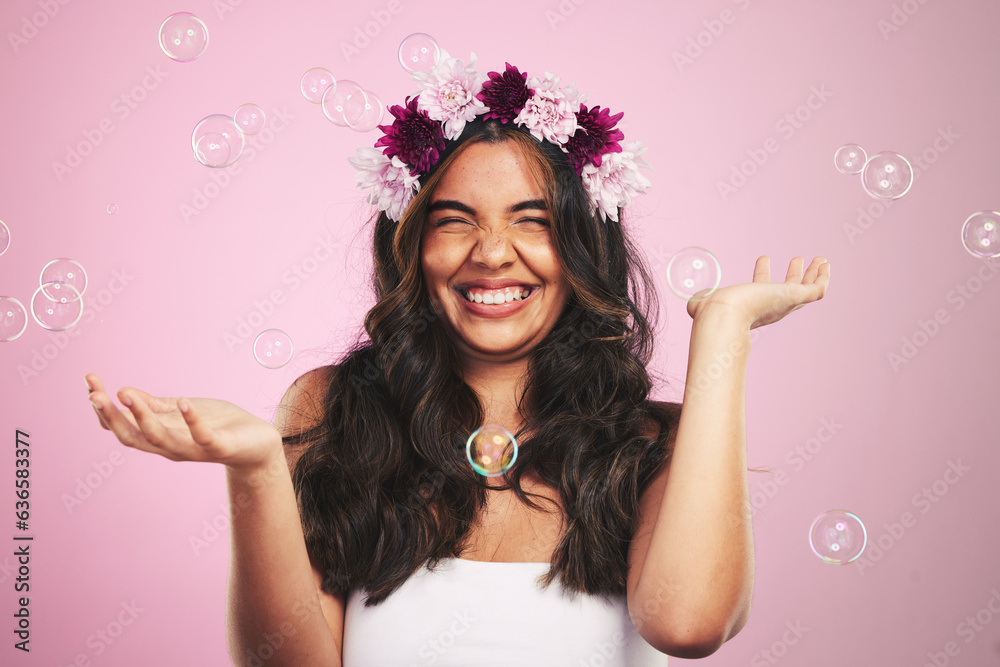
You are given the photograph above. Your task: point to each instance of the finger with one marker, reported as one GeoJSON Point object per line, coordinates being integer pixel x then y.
{"type": "Point", "coordinates": [813, 271]}
{"type": "Point", "coordinates": [157, 404]}
{"type": "Point", "coordinates": [145, 418]}
{"type": "Point", "coordinates": [121, 423]}
{"type": "Point", "coordinates": [762, 270]}
{"type": "Point", "coordinates": [91, 381]}
{"type": "Point", "coordinates": [794, 270]}
{"type": "Point", "coordinates": [200, 431]}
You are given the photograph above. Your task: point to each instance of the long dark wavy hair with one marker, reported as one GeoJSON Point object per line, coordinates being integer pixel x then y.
{"type": "Point", "coordinates": [382, 481]}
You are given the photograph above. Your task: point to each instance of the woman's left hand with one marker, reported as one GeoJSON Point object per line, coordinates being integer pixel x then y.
{"type": "Point", "coordinates": [763, 302]}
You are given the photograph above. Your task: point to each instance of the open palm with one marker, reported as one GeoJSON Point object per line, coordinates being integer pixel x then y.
{"type": "Point", "coordinates": [186, 429]}
{"type": "Point", "coordinates": [763, 302]}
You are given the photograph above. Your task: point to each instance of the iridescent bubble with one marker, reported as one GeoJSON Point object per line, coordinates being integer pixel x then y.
{"type": "Point", "coordinates": [56, 306]}
{"type": "Point", "coordinates": [491, 450]}
{"type": "Point", "coordinates": [692, 270]}
{"type": "Point", "coordinates": [838, 537]}
{"type": "Point", "coordinates": [272, 348]}
{"type": "Point", "coordinates": [183, 37]}
{"type": "Point", "coordinates": [13, 318]}
{"type": "Point", "coordinates": [64, 270]}
{"type": "Point", "coordinates": [349, 102]}
{"type": "Point", "coordinates": [850, 159]}
{"type": "Point", "coordinates": [981, 234]}
{"type": "Point", "coordinates": [370, 116]}
{"type": "Point", "coordinates": [249, 119]}
{"type": "Point", "coordinates": [112, 208]}
{"type": "Point", "coordinates": [419, 53]}
{"type": "Point", "coordinates": [887, 176]}
{"type": "Point", "coordinates": [4, 237]}
{"type": "Point", "coordinates": [217, 142]}
{"type": "Point", "coordinates": [315, 83]}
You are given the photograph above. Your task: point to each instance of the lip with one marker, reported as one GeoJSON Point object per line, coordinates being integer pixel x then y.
{"type": "Point", "coordinates": [494, 283]}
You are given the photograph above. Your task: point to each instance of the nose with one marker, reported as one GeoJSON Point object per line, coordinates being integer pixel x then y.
{"type": "Point", "coordinates": [493, 250]}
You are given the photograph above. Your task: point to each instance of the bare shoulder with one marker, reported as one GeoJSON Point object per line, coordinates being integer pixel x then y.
{"type": "Point", "coordinates": [302, 406]}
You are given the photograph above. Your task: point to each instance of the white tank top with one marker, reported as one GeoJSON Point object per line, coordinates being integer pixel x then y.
{"type": "Point", "coordinates": [490, 614]}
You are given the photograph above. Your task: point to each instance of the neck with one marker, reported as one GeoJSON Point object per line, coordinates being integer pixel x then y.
{"type": "Point", "coordinates": [499, 385]}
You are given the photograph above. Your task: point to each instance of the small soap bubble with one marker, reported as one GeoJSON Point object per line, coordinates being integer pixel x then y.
{"type": "Point", "coordinates": [183, 37]}
{"type": "Point", "coordinates": [112, 208]}
{"type": "Point", "coordinates": [692, 270]}
{"type": "Point", "coordinates": [981, 234]}
{"type": "Point", "coordinates": [56, 306]}
{"type": "Point", "coordinates": [419, 53]}
{"type": "Point", "coordinates": [272, 348]}
{"type": "Point", "coordinates": [217, 142]}
{"type": "Point", "coordinates": [850, 159]}
{"type": "Point", "coordinates": [346, 104]}
{"type": "Point", "coordinates": [887, 176]}
{"type": "Point", "coordinates": [491, 450]}
{"type": "Point", "coordinates": [249, 119]}
{"type": "Point", "coordinates": [64, 270]}
{"type": "Point", "coordinates": [4, 237]}
{"type": "Point", "coordinates": [316, 83]}
{"type": "Point", "coordinates": [13, 318]}
{"type": "Point", "coordinates": [838, 537]}
{"type": "Point", "coordinates": [370, 116]}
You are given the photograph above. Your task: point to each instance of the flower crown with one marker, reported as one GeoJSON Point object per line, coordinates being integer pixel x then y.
{"type": "Point", "coordinates": [453, 94]}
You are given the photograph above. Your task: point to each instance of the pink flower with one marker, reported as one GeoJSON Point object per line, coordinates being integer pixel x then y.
{"type": "Point", "coordinates": [449, 93]}
{"type": "Point", "coordinates": [617, 180]}
{"type": "Point", "coordinates": [389, 179]}
{"type": "Point", "coordinates": [550, 112]}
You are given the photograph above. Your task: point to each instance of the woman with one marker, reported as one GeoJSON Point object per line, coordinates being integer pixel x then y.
{"type": "Point", "coordinates": [507, 293]}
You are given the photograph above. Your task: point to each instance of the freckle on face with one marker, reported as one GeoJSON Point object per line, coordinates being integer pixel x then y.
{"type": "Point", "coordinates": [492, 242]}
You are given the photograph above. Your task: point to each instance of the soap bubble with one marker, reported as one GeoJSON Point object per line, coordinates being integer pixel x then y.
{"type": "Point", "coordinates": [4, 237]}
{"type": "Point", "coordinates": [370, 117]}
{"type": "Point", "coordinates": [272, 348]}
{"type": "Point", "coordinates": [112, 208]}
{"type": "Point", "coordinates": [691, 270]}
{"type": "Point", "coordinates": [315, 83]}
{"type": "Point", "coordinates": [13, 318]}
{"type": "Point", "coordinates": [249, 119]}
{"type": "Point", "coordinates": [419, 53]}
{"type": "Point", "coordinates": [346, 104]}
{"type": "Point", "coordinates": [491, 450]}
{"type": "Point", "coordinates": [183, 37]}
{"type": "Point", "coordinates": [838, 537]}
{"type": "Point", "coordinates": [981, 234]}
{"type": "Point", "coordinates": [64, 270]}
{"type": "Point", "coordinates": [850, 159]}
{"type": "Point", "coordinates": [217, 142]}
{"type": "Point", "coordinates": [887, 176]}
{"type": "Point", "coordinates": [56, 306]}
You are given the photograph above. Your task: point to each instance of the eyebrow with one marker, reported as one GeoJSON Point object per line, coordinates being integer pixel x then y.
{"type": "Point", "coordinates": [451, 204]}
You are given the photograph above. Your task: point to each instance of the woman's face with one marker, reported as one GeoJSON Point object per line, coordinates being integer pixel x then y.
{"type": "Point", "coordinates": [486, 244]}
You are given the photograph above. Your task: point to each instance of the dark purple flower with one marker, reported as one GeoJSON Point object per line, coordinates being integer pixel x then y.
{"type": "Point", "coordinates": [595, 135]}
{"type": "Point", "coordinates": [413, 136]}
{"type": "Point", "coordinates": [505, 94]}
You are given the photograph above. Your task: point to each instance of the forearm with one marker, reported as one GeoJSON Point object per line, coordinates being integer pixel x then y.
{"type": "Point", "coordinates": [701, 549]}
{"type": "Point", "coordinates": [272, 588]}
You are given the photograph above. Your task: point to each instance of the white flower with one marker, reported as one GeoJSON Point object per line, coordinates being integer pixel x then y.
{"type": "Point", "coordinates": [550, 113]}
{"type": "Point", "coordinates": [617, 180]}
{"type": "Point", "coordinates": [390, 182]}
{"type": "Point", "coordinates": [448, 93]}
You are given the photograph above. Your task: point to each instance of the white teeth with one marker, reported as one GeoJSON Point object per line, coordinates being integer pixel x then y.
{"type": "Point", "coordinates": [494, 297]}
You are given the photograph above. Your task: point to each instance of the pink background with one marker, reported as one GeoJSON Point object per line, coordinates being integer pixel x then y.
{"type": "Point", "coordinates": [925, 86]}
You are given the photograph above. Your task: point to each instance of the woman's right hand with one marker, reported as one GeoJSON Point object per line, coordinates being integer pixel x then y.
{"type": "Point", "coordinates": [187, 429]}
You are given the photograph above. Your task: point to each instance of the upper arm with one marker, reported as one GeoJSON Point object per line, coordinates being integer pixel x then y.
{"type": "Point", "coordinates": [650, 502]}
{"type": "Point", "coordinates": [302, 408]}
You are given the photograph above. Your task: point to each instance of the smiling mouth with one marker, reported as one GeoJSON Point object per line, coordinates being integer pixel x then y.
{"type": "Point", "coordinates": [496, 296]}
